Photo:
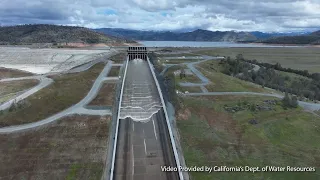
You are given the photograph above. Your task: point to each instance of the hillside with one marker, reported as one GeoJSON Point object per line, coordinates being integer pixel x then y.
{"type": "Point", "coordinates": [197, 35]}
{"type": "Point", "coordinates": [312, 38]}
{"type": "Point", "coordinates": [27, 34]}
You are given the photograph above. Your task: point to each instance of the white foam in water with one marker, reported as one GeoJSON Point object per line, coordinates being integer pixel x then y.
{"type": "Point", "coordinates": [140, 96]}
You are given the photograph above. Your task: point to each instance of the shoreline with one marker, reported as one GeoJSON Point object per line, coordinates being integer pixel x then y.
{"type": "Point", "coordinates": [287, 45]}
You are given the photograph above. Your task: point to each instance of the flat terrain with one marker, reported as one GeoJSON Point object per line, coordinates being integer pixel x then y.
{"type": "Point", "coordinates": [16, 86]}
{"type": "Point", "coordinates": [12, 73]}
{"type": "Point", "coordinates": [73, 148]}
{"type": "Point", "coordinates": [105, 96]}
{"type": "Point", "coordinates": [221, 82]}
{"type": "Point", "coordinates": [195, 89]}
{"type": "Point", "coordinates": [42, 61]}
{"type": "Point", "coordinates": [66, 90]}
{"type": "Point", "coordinates": [9, 89]}
{"type": "Point", "coordinates": [177, 61]}
{"type": "Point", "coordinates": [213, 136]}
{"type": "Point", "coordinates": [114, 71]}
{"type": "Point", "coordinates": [305, 58]}
{"type": "Point", "coordinates": [119, 58]}
{"type": "Point", "coordinates": [177, 55]}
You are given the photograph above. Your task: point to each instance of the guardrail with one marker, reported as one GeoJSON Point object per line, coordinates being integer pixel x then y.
{"type": "Point", "coordinates": [168, 122]}
{"type": "Point", "coordinates": [117, 123]}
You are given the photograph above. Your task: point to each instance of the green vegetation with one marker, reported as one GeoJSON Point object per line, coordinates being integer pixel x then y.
{"type": "Point", "coordinates": [177, 61]}
{"type": "Point", "coordinates": [268, 76]}
{"type": "Point", "coordinates": [195, 89]}
{"type": "Point", "coordinates": [114, 71]}
{"type": "Point", "coordinates": [302, 58]}
{"type": "Point", "coordinates": [289, 102]}
{"type": "Point", "coordinates": [171, 85]}
{"type": "Point", "coordinates": [10, 88]}
{"type": "Point", "coordinates": [313, 38]}
{"type": "Point", "coordinates": [16, 86]}
{"type": "Point", "coordinates": [183, 77]}
{"type": "Point", "coordinates": [66, 90]}
{"type": "Point", "coordinates": [196, 35]}
{"type": "Point", "coordinates": [96, 170]}
{"type": "Point", "coordinates": [268, 137]}
{"type": "Point", "coordinates": [221, 82]}
{"type": "Point", "coordinates": [177, 55]}
{"type": "Point", "coordinates": [41, 33]}
{"type": "Point", "coordinates": [105, 96]}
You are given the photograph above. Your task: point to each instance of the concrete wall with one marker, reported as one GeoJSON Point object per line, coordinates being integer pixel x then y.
{"type": "Point", "coordinates": [114, 126]}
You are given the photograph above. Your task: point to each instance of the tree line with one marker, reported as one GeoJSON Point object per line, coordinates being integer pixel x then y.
{"type": "Point", "coordinates": [268, 76]}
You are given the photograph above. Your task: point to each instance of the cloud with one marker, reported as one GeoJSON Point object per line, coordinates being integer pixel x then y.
{"type": "Point", "coordinates": [244, 15]}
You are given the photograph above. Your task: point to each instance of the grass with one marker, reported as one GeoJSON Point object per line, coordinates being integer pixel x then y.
{"type": "Point", "coordinates": [305, 58]}
{"type": "Point", "coordinates": [119, 58]}
{"type": "Point", "coordinates": [177, 55]}
{"type": "Point", "coordinates": [221, 82]}
{"type": "Point", "coordinates": [67, 89]}
{"type": "Point", "coordinates": [9, 89]}
{"type": "Point", "coordinates": [190, 89]}
{"type": "Point", "coordinates": [16, 86]}
{"type": "Point", "coordinates": [114, 71]}
{"type": "Point", "coordinates": [213, 137]}
{"type": "Point", "coordinates": [105, 96]}
{"type": "Point", "coordinates": [292, 77]}
{"type": "Point", "coordinates": [12, 73]}
{"type": "Point", "coordinates": [72, 148]}
{"type": "Point", "coordinates": [177, 61]}
{"type": "Point", "coordinates": [189, 78]}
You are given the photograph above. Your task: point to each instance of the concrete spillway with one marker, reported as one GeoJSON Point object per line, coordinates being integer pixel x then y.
{"type": "Point", "coordinates": [143, 140]}
{"type": "Point", "coordinates": [140, 96]}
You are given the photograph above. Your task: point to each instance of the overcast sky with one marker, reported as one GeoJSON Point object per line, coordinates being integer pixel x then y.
{"type": "Point", "coordinates": [239, 15]}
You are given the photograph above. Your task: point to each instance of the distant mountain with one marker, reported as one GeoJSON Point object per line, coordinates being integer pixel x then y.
{"type": "Point", "coordinates": [312, 38]}
{"type": "Point", "coordinates": [41, 33]}
{"type": "Point", "coordinates": [205, 35]}
{"type": "Point", "coordinates": [316, 33]}
{"type": "Point", "coordinates": [263, 35]}
{"type": "Point", "coordinates": [197, 35]}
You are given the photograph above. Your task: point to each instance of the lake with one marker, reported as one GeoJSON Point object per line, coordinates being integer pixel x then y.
{"type": "Point", "coordinates": [202, 44]}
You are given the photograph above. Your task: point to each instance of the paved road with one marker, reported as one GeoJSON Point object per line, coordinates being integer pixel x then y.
{"type": "Point", "coordinates": [75, 109]}
{"type": "Point", "coordinates": [205, 81]}
{"type": "Point", "coordinates": [190, 65]}
{"type": "Point", "coordinates": [44, 82]}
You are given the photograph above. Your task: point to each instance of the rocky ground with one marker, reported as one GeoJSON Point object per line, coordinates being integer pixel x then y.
{"type": "Point", "coordinates": [41, 61]}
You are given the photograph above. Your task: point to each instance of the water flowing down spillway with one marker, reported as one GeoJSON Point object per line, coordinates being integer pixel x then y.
{"type": "Point", "coordinates": [140, 98]}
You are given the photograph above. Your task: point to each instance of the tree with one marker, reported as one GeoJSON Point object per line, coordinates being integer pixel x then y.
{"type": "Point", "coordinates": [239, 57]}
{"type": "Point", "coordinates": [182, 73]}
{"type": "Point", "coordinates": [289, 102]}
{"type": "Point", "coordinates": [294, 102]}
{"type": "Point", "coordinates": [286, 100]}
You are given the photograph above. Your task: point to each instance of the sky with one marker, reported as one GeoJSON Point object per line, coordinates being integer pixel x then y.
{"type": "Point", "coordinates": [214, 15]}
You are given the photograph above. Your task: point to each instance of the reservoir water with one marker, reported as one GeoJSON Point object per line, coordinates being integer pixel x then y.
{"type": "Point", "coordinates": [203, 44]}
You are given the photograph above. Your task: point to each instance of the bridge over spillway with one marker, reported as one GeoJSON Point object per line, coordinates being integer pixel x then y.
{"type": "Point", "coordinates": [143, 140]}
{"type": "Point", "coordinates": [137, 53]}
